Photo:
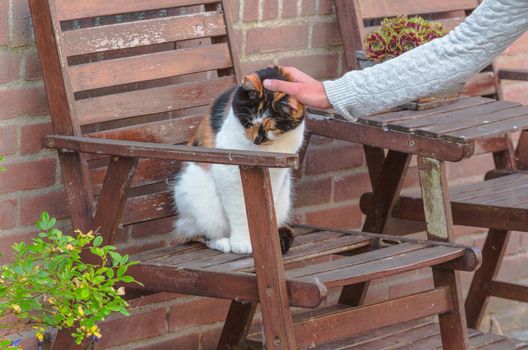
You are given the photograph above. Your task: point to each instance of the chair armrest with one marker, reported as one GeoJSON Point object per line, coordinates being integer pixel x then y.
{"type": "Point", "coordinates": [152, 150]}
{"type": "Point", "coordinates": [513, 74]}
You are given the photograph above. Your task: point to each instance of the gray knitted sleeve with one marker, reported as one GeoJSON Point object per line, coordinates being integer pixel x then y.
{"type": "Point", "coordinates": [432, 67]}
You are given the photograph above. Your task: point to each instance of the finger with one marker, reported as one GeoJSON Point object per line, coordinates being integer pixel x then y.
{"type": "Point", "coordinates": [280, 85]}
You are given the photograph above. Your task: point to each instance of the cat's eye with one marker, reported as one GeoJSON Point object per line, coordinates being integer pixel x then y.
{"type": "Point", "coordinates": [285, 107]}
{"type": "Point", "coordinates": [252, 94]}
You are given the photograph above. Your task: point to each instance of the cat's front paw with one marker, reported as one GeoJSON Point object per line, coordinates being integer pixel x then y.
{"type": "Point", "coordinates": [241, 246]}
{"type": "Point", "coordinates": [221, 244]}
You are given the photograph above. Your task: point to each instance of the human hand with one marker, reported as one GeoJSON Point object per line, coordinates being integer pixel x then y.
{"type": "Point", "coordinates": [304, 88]}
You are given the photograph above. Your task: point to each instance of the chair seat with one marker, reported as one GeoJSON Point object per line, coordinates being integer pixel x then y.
{"type": "Point", "coordinates": [422, 334]}
{"type": "Point", "coordinates": [500, 203]}
{"type": "Point", "coordinates": [319, 259]}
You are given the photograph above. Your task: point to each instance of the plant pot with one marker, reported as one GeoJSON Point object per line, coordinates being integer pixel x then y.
{"type": "Point", "coordinates": [447, 96]}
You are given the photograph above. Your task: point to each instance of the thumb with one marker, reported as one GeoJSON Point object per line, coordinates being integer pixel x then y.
{"type": "Point", "coordinates": [280, 85]}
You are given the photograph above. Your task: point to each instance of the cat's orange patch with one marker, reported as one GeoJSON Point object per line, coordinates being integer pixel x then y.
{"type": "Point", "coordinates": [205, 136]}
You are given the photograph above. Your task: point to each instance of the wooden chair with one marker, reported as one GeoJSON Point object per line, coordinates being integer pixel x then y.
{"type": "Point", "coordinates": [498, 204]}
{"type": "Point", "coordinates": [126, 81]}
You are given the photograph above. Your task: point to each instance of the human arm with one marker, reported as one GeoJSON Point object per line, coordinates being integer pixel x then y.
{"type": "Point", "coordinates": [429, 68]}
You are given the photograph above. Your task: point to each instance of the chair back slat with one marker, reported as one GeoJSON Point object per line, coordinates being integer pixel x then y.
{"type": "Point", "coordinates": [149, 67]}
{"type": "Point", "coordinates": [388, 8]}
{"type": "Point", "coordinates": [148, 101]}
{"type": "Point", "coordinates": [78, 9]}
{"type": "Point", "coordinates": [142, 33]}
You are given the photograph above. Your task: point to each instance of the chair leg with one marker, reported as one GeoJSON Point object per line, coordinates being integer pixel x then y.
{"type": "Point", "coordinates": [386, 183]}
{"type": "Point", "coordinates": [237, 324]}
{"type": "Point", "coordinates": [453, 327]}
{"type": "Point", "coordinates": [269, 268]}
{"type": "Point", "coordinates": [478, 295]}
{"type": "Point", "coordinates": [439, 221]}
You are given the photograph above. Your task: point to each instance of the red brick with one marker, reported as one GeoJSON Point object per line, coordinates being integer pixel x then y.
{"type": "Point", "coordinates": [351, 187]}
{"type": "Point", "coordinates": [341, 156]}
{"type": "Point", "coordinates": [289, 9]}
{"type": "Point", "coordinates": [20, 101]}
{"type": "Point", "coordinates": [313, 192]}
{"type": "Point", "coordinates": [326, 7]}
{"type": "Point", "coordinates": [33, 68]}
{"type": "Point", "coordinates": [346, 217]}
{"type": "Point", "coordinates": [6, 253]}
{"type": "Point", "coordinates": [271, 9]}
{"type": "Point", "coordinates": [28, 175]}
{"type": "Point", "coordinates": [516, 92]}
{"type": "Point", "coordinates": [308, 8]}
{"type": "Point", "coordinates": [134, 327]}
{"type": "Point", "coordinates": [477, 165]}
{"type": "Point", "coordinates": [4, 22]}
{"type": "Point", "coordinates": [319, 66]}
{"type": "Point", "coordinates": [326, 34]}
{"type": "Point", "coordinates": [10, 63]}
{"type": "Point", "coordinates": [8, 213]}
{"type": "Point", "coordinates": [274, 39]}
{"type": "Point", "coordinates": [21, 30]}
{"type": "Point", "coordinates": [190, 341]}
{"type": "Point", "coordinates": [8, 140]}
{"type": "Point", "coordinates": [31, 137]}
{"type": "Point", "coordinates": [251, 10]}
{"type": "Point", "coordinates": [54, 203]}
{"type": "Point", "coordinates": [209, 340]}
{"type": "Point", "coordinates": [250, 67]}
{"type": "Point", "coordinates": [197, 312]}
{"type": "Point", "coordinates": [519, 46]}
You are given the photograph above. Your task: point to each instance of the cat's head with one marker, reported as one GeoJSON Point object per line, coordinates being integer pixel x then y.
{"type": "Point", "coordinates": [264, 114]}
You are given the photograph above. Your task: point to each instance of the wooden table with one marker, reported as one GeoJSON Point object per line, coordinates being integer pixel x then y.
{"type": "Point", "coordinates": [447, 133]}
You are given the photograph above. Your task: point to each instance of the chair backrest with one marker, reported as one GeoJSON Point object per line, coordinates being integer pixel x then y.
{"type": "Point", "coordinates": [357, 18]}
{"type": "Point", "coordinates": [134, 70]}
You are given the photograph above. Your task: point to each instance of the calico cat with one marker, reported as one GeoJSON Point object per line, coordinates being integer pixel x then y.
{"type": "Point", "coordinates": [209, 198]}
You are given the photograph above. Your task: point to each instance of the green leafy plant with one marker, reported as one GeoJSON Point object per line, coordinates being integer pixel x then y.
{"type": "Point", "coordinates": [400, 34]}
{"type": "Point", "coordinates": [47, 284]}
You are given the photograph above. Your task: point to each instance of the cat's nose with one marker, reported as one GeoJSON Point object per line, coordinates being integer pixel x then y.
{"type": "Point", "coordinates": [259, 139]}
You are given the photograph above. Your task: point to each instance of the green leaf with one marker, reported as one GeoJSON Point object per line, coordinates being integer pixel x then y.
{"type": "Point", "coordinates": [127, 279]}
{"type": "Point", "coordinates": [83, 293]}
{"type": "Point", "coordinates": [97, 241]}
{"type": "Point", "coordinates": [109, 273]}
{"type": "Point", "coordinates": [121, 271]}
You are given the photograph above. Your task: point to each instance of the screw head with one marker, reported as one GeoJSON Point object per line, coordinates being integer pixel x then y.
{"type": "Point", "coordinates": [411, 143]}
{"type": "Point", "coordinates": [277, 340]}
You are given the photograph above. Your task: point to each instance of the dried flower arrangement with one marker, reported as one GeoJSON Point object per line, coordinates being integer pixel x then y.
{"type": "Point", "coordinates": [400, 34]}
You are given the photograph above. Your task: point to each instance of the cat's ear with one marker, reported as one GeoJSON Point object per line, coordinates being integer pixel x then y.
{"type": "Point", "coordinates": [251, 82]}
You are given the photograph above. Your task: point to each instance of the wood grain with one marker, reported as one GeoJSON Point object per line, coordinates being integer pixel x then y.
{"type": "Point", "coordinates": [76, 9]}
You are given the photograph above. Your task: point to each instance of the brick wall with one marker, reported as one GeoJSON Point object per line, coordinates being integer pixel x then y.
{"type": "Point", "coordinates": [300, 33]}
